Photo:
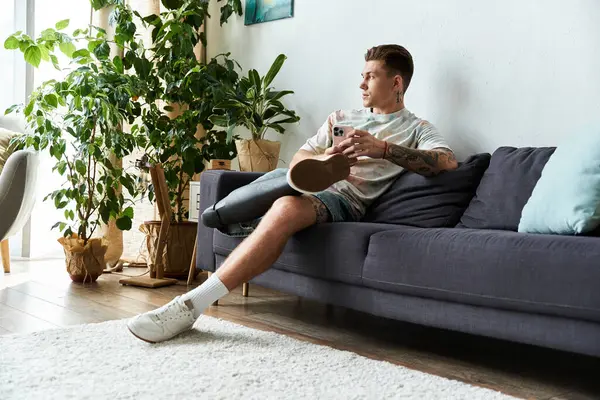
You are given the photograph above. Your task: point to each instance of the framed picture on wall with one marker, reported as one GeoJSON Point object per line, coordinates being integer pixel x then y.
{"type": "Point", "coordinates": [258, 11]}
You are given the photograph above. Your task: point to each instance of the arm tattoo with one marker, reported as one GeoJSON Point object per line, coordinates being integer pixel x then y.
{"type": "Point", "coordinates": [423, 162]}
{"type": "Point", "coordinates": [321, 212]}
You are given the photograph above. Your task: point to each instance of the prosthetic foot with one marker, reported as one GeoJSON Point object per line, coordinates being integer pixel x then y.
{"type": "Point", "coordinates": [313, 175]}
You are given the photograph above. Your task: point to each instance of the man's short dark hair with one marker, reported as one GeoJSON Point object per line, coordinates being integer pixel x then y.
{"type": "Point", "coordinates": [396, 59]}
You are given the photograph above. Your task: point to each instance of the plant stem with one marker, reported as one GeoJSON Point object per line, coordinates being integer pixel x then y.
{"type": "Point", "coordinates": [91, 182]}
{"type": "Point", "coordinates": [179, 197]}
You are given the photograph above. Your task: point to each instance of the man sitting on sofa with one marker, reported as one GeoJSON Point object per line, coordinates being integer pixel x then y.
{"type": "Point", "coordinates": [385, 140]}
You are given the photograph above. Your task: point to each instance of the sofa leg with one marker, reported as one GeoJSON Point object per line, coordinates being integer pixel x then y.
{"type": "Point", "coordinates": [216, 303]}
{"type": "Point", "coordinates": [5, 255]}
{"type": "Point", "coordinates": [245, 288]}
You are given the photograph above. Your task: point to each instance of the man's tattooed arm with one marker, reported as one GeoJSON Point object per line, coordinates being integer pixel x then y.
{"type": "Point", "coordinates": [423, 162]}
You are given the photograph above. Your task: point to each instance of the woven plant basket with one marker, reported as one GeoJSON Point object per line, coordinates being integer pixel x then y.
{"type": "Point", "coordinates": [258, 155]}
{"type": "Point", "coordinates": [84, 263]}
{"type": "Point", "coordinates": [178, 250]}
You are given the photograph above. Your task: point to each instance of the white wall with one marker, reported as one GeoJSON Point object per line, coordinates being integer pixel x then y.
{"type": "Point", "coordinates": [488, 73]}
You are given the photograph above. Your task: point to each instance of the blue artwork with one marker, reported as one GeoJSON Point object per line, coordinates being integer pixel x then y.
{"type": "Point", "coordinates": [267, 10]}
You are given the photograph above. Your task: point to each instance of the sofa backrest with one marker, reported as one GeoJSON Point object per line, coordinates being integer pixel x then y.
{"type": "Point", "coordinates": [430, 202]}
{"type": "Point", "coordinates": [505, 188]}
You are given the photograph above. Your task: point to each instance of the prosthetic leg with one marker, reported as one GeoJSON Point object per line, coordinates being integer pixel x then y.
{"type": "Point", "coordinates": [252, 201]}
{"type": "Point", "coordinates": [248, 202]}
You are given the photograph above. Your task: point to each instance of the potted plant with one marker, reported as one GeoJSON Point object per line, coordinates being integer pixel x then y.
{"type": "Point", "coordinates": [217, 151]}
{"type": "Point", "coordinates": [255, 105]}
{"type": "Point", "coordinates": [180, 97]}
{"type": "Point", "coordinates": [78, 121]}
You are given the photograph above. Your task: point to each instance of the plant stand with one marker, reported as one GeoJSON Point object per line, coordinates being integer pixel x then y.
{"type": "Point", "coordinates": [164, 210]}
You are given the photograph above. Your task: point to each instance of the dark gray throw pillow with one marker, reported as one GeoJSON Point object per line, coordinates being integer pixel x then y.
{"type": "Point", "coordinates": [505, 188]}
{"type": "Point", "coordinates": [430, 202]}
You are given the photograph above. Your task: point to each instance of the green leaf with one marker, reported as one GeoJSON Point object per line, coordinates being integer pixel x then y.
{"type": "Point", "coordinates": [287, 120]}
{"type": "Point", "coordinates": [104, 214]}
{"type": "Point", "coordinates": [118, 64]}
{"type": "Point", "coordinates": [62, 24]}
{"type": "Point", "coordinates": [124, 223]}
{"type": "Point", "coordinates": [278, 95]}
{"type": "Point", "coordinates": [54, 60]}
{"type": "Point", "coordinates": [80, 167]}
{"type": "Point", "coordinates": [81, 53]}
{"type": "Point", "coordinates": [24, 44]}
{"type": "Point", "coordinates": [44, 52]}
{"type": "Point", "coordinates": [142, 67]}
{"type": "Point", "coordinates": [11, 109]}
{"type": "Point", "coordinates": [255, 79]}
{"type": "Point", "coordinates": [172, 4]}
{"type": "Point", "coordinates": [67, 48]}
{"type": "Point", "coordinates": [11, 43]}
{"type": "Point", "coordinates": [49, 34]}
{"type": "Point", "coordinates": [102, 51]}
{"type": "Point", "coordinates": [61, 167]}
{"type": "Point", "coordinates": [219, 120]}
{"type": "Point", "coordinates": [33, 55]}
{"type": "Point", "coordinates": [28, 109]}
{"type": "Point", "coordinates": [277, 128]}
{"type": "Point", "coordinates": [274, 70]}
{"type": "Point", "coordinates": [93, 44]}
{"type": "Point", "coordinates": [128, 212]}
{"type": "Point", "coordinates": [51, 100]}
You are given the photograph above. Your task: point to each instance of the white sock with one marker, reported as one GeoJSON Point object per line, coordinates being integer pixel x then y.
{"type": "Point", "coordinates": [206, 294]}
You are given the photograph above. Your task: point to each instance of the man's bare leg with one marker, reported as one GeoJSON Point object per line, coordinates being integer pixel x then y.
{"type": "Point", "coordinates": [287, 215]}
{"type": "Point", "coordinates": [253, 256]}
{"type": "Point", "coordinates": [261, 249]}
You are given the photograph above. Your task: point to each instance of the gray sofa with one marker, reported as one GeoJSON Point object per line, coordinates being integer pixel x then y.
{"type": "Point", "coordinates": [442, 252]}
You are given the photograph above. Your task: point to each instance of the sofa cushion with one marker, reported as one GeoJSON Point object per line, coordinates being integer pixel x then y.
{"type": "Point", "coordinates": [334, 251]}
{"type": "Point", "coordinates": [566, 198]}
{"type": "Point", "coordinates": [548, 274]}
{"type": "Point", "coordinates": [505, 188]}
{"type": "Point", "coordinates": [430, 202]}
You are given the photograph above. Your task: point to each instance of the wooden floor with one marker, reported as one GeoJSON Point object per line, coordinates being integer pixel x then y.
{"type": "Point", "coordinates": [39, 295]}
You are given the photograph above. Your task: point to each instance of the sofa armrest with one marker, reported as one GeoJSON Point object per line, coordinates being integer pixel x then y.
{"type": "Point", "coordinates": [214, 186]}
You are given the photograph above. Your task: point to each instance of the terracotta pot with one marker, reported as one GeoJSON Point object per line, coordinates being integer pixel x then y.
{"type": "Point", "coordinates": [178, 250]}
{"type": "Point", "coordinates": [258, 155]}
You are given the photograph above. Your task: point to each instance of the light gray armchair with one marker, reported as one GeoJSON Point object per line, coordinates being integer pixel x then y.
{"type": "Point", "coordinates": [17, 196]}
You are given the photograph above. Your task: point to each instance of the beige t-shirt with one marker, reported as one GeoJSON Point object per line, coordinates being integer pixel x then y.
{"type": "Point", "coordinates": [369, 177]}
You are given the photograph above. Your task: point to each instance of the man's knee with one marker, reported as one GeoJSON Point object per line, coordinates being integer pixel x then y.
{"type": "Point", "coordinates": [294, 212]}
{"type": "Point", "coordinates": [289, 207]}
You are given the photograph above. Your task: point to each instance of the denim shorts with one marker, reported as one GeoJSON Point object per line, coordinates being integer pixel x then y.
{"type": "Point", "coordinates": [339, 209]}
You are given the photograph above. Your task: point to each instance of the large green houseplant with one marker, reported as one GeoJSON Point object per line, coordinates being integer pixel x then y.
{"type": "Point", "coordinates": [255, 105]}
{"type": "Point", "coordinates": [180, 95]}
{"type": "Point", "coordinates": [77, 120]}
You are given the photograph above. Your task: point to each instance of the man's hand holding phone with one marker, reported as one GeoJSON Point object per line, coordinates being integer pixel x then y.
{"type": "Point", "coordinates": [340, 133]}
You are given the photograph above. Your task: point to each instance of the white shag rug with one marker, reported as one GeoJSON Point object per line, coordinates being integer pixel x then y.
{"type": "Point", "coordinates": [216, 360]}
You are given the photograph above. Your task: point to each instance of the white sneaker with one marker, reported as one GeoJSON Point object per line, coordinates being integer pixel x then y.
{"type": "Point", "coordinates": [163, 323]}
